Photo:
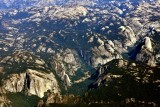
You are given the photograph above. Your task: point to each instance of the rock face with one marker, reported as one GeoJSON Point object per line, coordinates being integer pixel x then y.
{"type": "Point", "coordinates": [128, 35]}
{"type": "Point", "coordinates": [66, 63]}
{"type": "Point", "coordinates": [61, 100]}
{"type": "Point", "coordinates": [34, 82]}
{"type": "Point", "coordinates": [104, 53]}
{"type": "Point", "coordinates": [15, 83]}
{"type": "Point", "coordinates": [148, 44]}
{"type": "Point", "coordinates": [69, 13]}
{"type": "Point", "coordinates": [4, 101]}
{"type": "Point", "coordinates": [144, 52]}
{"type": "Point", "coordinates": [53, 98]}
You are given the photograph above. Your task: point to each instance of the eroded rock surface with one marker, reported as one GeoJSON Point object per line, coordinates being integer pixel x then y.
{"type": "Point", "coordinates": [66, 63]}
{"type": "Point", "coordinates": [33, 82]}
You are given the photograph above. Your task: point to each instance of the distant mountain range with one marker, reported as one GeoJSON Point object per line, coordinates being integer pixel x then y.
{"type": "Point", "coordinates": [23, 3]}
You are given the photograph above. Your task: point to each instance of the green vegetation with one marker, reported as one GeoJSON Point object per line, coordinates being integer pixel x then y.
{"type": "Point", "coordinates": [22, 100]}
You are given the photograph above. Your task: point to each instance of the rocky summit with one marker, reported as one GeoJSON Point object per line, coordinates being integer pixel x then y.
{"type": "Point", "coordinates": [79, 53]}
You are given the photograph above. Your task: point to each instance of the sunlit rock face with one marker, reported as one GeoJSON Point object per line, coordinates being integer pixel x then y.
{"type": "Point", "coordinates": [67, 12]}
{"type": "Point", "coordinates": [4, 101]}
{"type": "Point", "coordinates": [104, 52]}
{"type": "Point", "coordinates": [148, 44]}
{"type": "Point", "coordinates": [33, 82]}
{"type": "Point", "coordinates": [128, 34]}
{"type": "Point", "coordinates": [66, 63]}
{"type": "Point", "coordinates": [15, 83]}
{"type": "Point", "coordinates": [144, 52]}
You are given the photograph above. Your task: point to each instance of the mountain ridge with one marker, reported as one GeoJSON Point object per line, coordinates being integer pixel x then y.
{"type": "Point", "coordinates": [27, 3]}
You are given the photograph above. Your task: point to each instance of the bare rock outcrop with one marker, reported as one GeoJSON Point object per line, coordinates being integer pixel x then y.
{"type": "Point", "coordinates": [128, 35]}
{"type": "Point", "coordinates": [66, 63]}
{"type": "Point", "coordinates": [4, 101]}
{"type": "Point", "coordinates": [104, 53]}
{"type": "Point", "coordinates": [144, 52]}
{"type": "Point", "coordinates": [33, 82]}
